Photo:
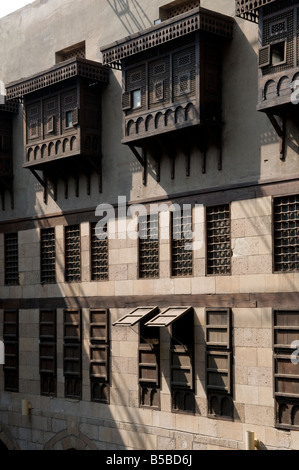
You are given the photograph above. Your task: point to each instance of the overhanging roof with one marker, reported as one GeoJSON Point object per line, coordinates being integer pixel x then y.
{"type": "Point", "coordinates": [75, 67]}
{"type": "Point", "coordinates": [168, 316]}
{"type": "Point", "coordinates": [196, 19]}
{"type": "Point", "coordinates": [248, 10]}
{"type": "Point", "coordinates": [135, 316]}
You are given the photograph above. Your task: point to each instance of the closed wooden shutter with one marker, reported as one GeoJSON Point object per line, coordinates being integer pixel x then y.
{"type": "Point", "coordinates": [181, 367]}
{"type": "Point", "coordinates": [99, 355]}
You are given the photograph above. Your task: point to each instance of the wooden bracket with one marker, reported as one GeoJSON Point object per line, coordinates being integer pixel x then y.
{"type": "Point", "coordinates": [39, 179]}
{"type": "Point", "coordinates": [280, 129]}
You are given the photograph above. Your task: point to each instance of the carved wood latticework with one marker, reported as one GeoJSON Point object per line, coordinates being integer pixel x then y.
{"type": "Point", "coordinates": [7, 111]}
{"type": "Point", "coordinates": [248, 9]}
{"type": "Point", "coordinates": [63, 122]}
{"type": "Point", "coordinates": [278, 60]}
{"type": "Point", "coordinates": [172, 85]}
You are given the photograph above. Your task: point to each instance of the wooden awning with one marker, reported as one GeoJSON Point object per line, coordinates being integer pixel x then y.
{"type": "Point", "coordinates": [168, 316]}
{"type": "Point", "coordinates": [135, 316]}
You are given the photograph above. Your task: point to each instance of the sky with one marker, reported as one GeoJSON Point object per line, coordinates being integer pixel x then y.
{"type": "Point", "coordinates": [7, 7]}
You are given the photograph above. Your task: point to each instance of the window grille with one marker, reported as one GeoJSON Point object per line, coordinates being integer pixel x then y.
{"type": "Point", "coordinates": [47, 352]}
{"type": "Point", "coordinates": [181, 254]}
{"type": "Point", "coordinates": [286, 372]}
{"type": "Point", "coordinates": [11, 259]}
{"type": "Point", "coordinates": [72, 353]}
{"type": "Point", "coordinates": [135, 89]}
{"type": "Point", "coordinates": [149, 246]}
{"type": "Point", "coordinates": [99, 356]}
{"type": "Point", "coordinates": [218, 240]}
{"type": "Point", "coordinates": [48, 256]}
{"type": "Point", "coordinates": [219, 362]}
{"type": "Point", "coordinates": [72, 254]}
{"type": "Point", "coordinates": [184, 72]}
{"type": "Point", "coordinates": [286, 234]}
{"type": "Point", "coordinates": [11, 342]}
{"type": "Point", "coordinates": [99, 255]}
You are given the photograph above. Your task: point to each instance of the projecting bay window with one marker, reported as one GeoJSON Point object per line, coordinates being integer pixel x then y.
{"type": "Point", "coordinates": [99, 356]}
{"type": "Point", "coordinates": [62, 114]}
{"type": "Point", "coordinates": [11, 343]}
{"type": "Point", "coordinates": [171, 77]}
{"type": "Point", "coordinates": [181, 321]}
{"type": "Point", "coordinates": [278, 60]}
{"type": "Point", "coordinates": [286, 371]}
{"type": "Point", "coordinates": [6, 150]}
{"type": "Point", "coordinates": [286, 234]}
{"type": "Point", "coordinates": [219, 363]}
{"type": "Point", "coordinates": [72, 354]}
{"type": "Point", "coordinates": [47, 352]}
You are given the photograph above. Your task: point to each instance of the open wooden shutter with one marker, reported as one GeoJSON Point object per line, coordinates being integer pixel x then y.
{"type": "Point", "coordinates": [264, 56]}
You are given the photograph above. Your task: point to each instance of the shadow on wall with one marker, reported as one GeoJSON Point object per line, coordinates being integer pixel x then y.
{"type": "Point", "coordinates": [131, 21]}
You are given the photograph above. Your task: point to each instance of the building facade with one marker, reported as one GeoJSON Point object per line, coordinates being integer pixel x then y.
{"type": "Point", "coordinates": [149, 221]}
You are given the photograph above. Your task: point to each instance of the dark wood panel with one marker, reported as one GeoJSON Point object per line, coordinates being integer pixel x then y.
{"type": "Point", "coordinates": [273, 300]}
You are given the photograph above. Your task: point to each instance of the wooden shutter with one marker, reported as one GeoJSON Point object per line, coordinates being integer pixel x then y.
{"type": "Point", "coordinates": [126, 101]}
{"type": "Point", "coordinates": [264, 56]}
{"type": "Point", "coordinates": [218, 353]}
{"type": "Point", "coordinates": [218, 328]}
{"type": "Point", "coordinates": [99, 362]}
{"type": "Point", "coordinates": [181, 367]}
{"type": "Point", "coordinates": [11, 342]}
{"type": "Point", "coordinates": [148, 365]}
{"type": "Point", "coordinates": [219, 371]}
{"type": "Point", "coordinates": [99, 355]}
{"type": "Point", "coordinates": [48, 342]}
{"type": "Point", "coordinates": [75, 117]}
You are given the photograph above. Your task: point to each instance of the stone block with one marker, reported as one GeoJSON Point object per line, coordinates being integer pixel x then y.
{"type": "Point", "coordinates": [182, 286]}
{"type": "Point", "coordinates": [258, 226]}
{"type": "Point", "coordinates": [259, 415]}
{"type": "Point", "coordinates": [246, 394]}
{"type": "Point", "coordinates": [124, 287]}
{"type": "Point", "coordinates": [246, 356]}
{"type": "Point", "coordinates": [118, 272]}
{"type": "Point", "coordinates": [203, 285]}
